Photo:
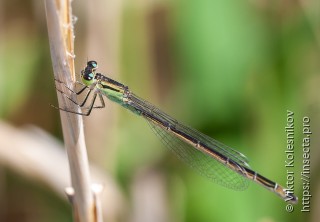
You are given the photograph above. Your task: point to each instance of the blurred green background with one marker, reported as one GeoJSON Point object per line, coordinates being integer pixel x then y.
{"type": "Point", "coordinates": [230, 69]}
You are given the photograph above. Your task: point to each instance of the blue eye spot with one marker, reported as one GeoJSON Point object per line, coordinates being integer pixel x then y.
{"type": "Point", "coordinates": [92, 64]}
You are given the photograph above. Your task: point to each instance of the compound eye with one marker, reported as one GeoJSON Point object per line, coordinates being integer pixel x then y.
{"type": "Point", "coordinates": [88, 76]}
{"type": "Point", "coordinates": [92, 64]}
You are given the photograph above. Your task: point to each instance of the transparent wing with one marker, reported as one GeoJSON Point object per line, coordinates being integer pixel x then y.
{"type": "Point", "coordinates": [204, 164]}
{"type": "Point", "coordinates": [211, 143]}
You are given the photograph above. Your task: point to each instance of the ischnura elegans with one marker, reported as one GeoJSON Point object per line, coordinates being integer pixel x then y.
{"type": "Point", "coordinates": [209, 157]}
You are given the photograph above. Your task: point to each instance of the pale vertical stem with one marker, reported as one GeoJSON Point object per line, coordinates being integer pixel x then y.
{"type": "Point", "coordinates": [60, 29]}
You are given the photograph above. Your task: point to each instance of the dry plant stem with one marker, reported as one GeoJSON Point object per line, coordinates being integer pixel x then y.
{"type": "Point", "coordinates": [60, 29]}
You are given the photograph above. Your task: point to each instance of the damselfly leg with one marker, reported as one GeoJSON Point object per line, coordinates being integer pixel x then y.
{"type": "Point", "coordinates": [88, 108]}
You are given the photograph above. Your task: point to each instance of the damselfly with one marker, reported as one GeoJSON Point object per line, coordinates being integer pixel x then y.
{"type": "Point", "coordinates": [209, 157]}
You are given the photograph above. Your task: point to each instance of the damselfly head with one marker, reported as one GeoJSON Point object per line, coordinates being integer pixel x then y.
{"type": "Point", "coordinates": [87, 76]}
{"type": "Point", "coordinates": [92, 65]}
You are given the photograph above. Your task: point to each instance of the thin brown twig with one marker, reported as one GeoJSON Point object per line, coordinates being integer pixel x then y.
{"type": "Point", "coordinates": [60, 29]}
